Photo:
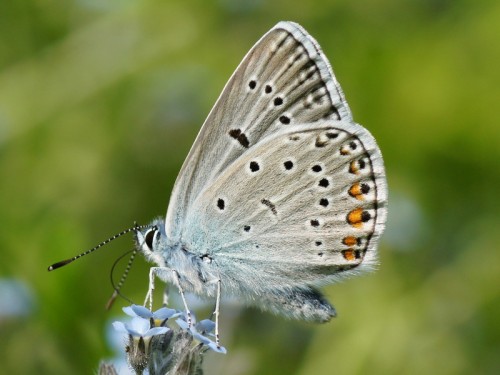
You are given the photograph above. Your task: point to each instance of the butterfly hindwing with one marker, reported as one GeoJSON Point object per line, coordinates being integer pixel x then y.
{"type": "Point", "coordinates": [284, 80]}
{"type": "Point", "coordinates": [302, 207]}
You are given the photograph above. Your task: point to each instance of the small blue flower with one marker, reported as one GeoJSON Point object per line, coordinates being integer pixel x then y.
{"type": "Point", "coordinates": [159, 315]}
{"type": "Point", "coordinates": [206, 325]}
{"type": "Point", "coordinates": [197, 330]}
{"type": "Point", "coordinates": [139, 327]}
{"type": "Point", "coordinates": [217, 348]}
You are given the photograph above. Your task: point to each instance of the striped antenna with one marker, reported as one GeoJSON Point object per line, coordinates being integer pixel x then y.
{"type": "Point", "coordinates": [117, 288]}
{"type": "Point", "coordinates": [67, 261]}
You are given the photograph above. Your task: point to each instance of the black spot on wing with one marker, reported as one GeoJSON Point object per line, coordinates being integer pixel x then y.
{"type": "Point", "coordinates": [221, 204]}
{"type": "Point", "coordinates": [271, 206]}
{"type": "Point", "coordinates": [288, 165]}
{"type": "Point", "coordinates": [240, 137]}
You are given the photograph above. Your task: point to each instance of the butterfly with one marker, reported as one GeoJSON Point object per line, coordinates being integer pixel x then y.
{"type": "Point", "coordinates": [281, 192]}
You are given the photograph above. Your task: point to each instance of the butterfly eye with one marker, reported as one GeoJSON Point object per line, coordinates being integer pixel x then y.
{"type": "Point", "coordinates": [149, 238]}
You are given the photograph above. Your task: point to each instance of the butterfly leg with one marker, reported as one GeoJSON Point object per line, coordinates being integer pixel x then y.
{"type": "Point", "coordinates": [153, 272]}
{"type": "Point", "coordinates": [178, 284]}
{"type": "Point", "coordinates": [149, 295]}
{"type": "Point", "coordinates": [217, 310]}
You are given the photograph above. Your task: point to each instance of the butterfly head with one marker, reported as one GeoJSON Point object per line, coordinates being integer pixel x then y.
{"type": "Point", "coordinates": [151, 239]}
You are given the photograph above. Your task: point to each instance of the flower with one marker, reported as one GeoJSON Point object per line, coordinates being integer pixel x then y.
{"type": "Point", "coordinates": [197, 330]}
{"type": "Point", "coordinates": [159, 316]}
{"type": "Point", "coordinates": [139, 327]}
{"type": "Point", "coordinates": [140, 333]}
{"type": "Point", "coordinates": [146, 324]}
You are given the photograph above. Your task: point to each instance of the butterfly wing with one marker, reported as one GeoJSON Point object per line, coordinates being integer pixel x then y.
{"type": "Point", "coordinates": [304, 206]}
{"type": "Point", "coordinates": [283, 80]}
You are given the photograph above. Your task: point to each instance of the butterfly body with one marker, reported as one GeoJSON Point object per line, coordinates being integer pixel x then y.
{"type": "Point", "coordinates": [191, 267]}
{"type": "Point", "coordinates": [281, 192]}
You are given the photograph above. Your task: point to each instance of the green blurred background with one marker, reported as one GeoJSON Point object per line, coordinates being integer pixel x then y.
{"type": "Point", "coordinates": [100, 101]}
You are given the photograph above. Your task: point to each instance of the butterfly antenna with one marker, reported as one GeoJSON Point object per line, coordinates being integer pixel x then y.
{"type": "Point", "coordinates": [117, 288]}
{"type": "Point", "coordinates": [67, 261]}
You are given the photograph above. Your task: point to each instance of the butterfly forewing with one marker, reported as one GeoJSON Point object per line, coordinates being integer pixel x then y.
{"type": "Point", "coordinates": [284, 80]}
{"type": "Point", "coordinates": [302, 206]}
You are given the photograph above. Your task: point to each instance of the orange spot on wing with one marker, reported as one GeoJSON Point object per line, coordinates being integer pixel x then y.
{"type": "Point", "coordinates": [349, 255]}
{"type": "Point", "coordinates": [353, 167]}
{"type": "Point", "coordinates": [355, 217]}
{"type": "Point", "coordinates": [350, 241]}
{"type": "Point", "coordinates": [355, 191]}
{"type": "Point", "coordinates": [344, 151]}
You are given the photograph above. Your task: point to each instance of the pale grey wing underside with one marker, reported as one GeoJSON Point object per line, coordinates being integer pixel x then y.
{"type": "Point", "coordinates": [284, 80]}
{"type": "Point", "coordinates": [304, 206]}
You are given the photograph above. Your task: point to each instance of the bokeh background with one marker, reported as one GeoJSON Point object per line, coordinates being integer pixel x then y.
{"type": "Point", "coordinates": [100, 101]}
